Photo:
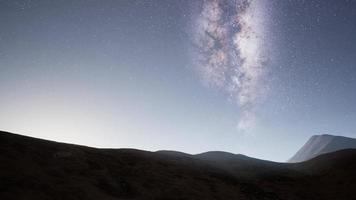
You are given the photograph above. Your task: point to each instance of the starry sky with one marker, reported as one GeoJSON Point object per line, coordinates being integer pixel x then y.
{"type": "Point", "coordinates": [255, 77]}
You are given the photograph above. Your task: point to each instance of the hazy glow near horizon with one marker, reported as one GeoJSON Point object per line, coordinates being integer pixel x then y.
{"type": "Point", "coordinates": [254, 77]}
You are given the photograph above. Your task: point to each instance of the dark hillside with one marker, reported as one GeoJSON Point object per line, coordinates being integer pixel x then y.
{"type": "Point", "coordinates": [32, 168]}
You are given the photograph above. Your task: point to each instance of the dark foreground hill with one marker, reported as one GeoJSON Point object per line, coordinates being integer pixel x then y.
{"type": "Point", "coordinates": [38, 169]}
{"type": "Point", "coordinates": [320, 144]}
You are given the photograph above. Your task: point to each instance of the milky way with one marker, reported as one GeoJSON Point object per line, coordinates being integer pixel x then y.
{"type": "Point", "coordinates": [119, 73]}
{"type": "Point", "coordinates": [230, 37]}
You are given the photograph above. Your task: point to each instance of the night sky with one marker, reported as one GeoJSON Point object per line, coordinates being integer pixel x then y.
{"type": "Point", "coordinates": [255, 77]}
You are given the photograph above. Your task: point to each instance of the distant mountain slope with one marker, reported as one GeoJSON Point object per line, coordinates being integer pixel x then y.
{"type": "Point", "coordinates": [38, 169]}
{"type": "Point", "coordinates": [320, 144]}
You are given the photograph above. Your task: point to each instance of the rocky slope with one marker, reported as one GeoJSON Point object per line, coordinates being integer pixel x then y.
{"type": "Point", "coordinates": [320, 144]}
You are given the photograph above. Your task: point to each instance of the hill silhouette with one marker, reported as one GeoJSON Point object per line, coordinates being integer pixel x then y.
{"type": "Point", "coordinates": [33, 168]}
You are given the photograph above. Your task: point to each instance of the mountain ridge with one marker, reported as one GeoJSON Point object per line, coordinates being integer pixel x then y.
{"type": "Point", "coordinates": [321, 144]}
{"type": "Point", "coordinates": [33, 168]}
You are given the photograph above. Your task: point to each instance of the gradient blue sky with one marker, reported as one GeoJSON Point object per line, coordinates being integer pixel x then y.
{"type": "Point", "coordinates": [124, 74]}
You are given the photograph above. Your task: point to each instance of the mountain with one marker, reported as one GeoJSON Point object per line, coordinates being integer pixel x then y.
{"type": "Point", "coordinates": [320, 144]}
{"type": "Point", "coordinates": [38, 169]}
